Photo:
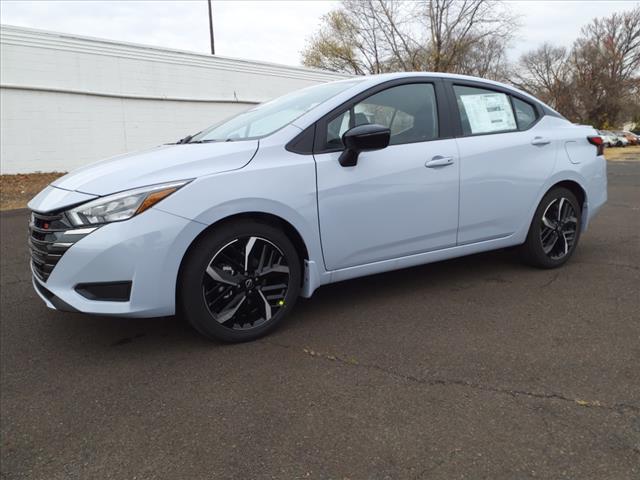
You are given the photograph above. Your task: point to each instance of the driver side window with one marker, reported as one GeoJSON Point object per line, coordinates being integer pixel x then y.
{"type": "Point", "coordinates": [409, 111]}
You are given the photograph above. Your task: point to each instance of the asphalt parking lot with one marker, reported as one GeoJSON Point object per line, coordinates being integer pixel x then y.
{"type": "Point", "coordinates": [472, 368]}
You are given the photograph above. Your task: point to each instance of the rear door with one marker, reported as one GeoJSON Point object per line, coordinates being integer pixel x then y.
{"type": "Point", "coordinates": [506, 155]}
{"type": "Point", "coordinates": [397, 201]}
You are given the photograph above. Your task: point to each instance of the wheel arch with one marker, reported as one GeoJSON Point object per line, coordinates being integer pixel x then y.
{"type": "Point", "coordinates": [268, 218]}
{"type": "Point", "coordinates": [567, 180]}
{"type": "Point", "coordinates": [575, 188]}
{"type": "Point", "coordinates": [578, 190]}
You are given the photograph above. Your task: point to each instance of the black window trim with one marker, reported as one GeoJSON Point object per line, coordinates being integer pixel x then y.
{"type": "Point", "coordinates": [459, 132]}
{"type": "Point", "coordinates": [312, 139]}
{"type": "Point", "coordinates": [515, 113]}
{"type": "Point", "coordinates": [302, 143]}
{"type": "Point", "coordinates": [443, 111]}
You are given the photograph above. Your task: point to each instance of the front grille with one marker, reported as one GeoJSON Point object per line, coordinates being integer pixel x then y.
{"type": "Point", "coordinates": [50, 236]}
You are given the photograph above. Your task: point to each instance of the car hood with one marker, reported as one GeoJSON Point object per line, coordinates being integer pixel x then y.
{"type": "Point", "coordinates": [161, 164]}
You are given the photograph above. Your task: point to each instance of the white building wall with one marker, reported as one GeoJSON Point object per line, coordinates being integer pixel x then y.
{"type": "Point", "coordinates": [68, 100]}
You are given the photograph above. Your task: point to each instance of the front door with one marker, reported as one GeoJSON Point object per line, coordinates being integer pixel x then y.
{"type": "Point", "coordinates": [398, 201]}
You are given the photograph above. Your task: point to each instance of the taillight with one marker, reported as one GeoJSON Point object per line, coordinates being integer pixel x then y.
{"type": "Point", "coordinates": [597, 141]}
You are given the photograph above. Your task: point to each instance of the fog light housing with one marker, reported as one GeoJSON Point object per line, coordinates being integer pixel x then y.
{"type": "Point", "coordinates": [105, 291]}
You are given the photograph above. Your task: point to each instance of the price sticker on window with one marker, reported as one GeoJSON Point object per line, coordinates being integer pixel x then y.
{"type": "Point", "coordinates": [488, 112]}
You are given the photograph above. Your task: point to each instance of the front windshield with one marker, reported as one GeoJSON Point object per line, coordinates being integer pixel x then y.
{"type": "Point", "coordinates": [268, 117]}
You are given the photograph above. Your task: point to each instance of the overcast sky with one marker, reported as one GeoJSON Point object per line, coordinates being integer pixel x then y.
{"type": "Point", "coordinates": [271, 31]}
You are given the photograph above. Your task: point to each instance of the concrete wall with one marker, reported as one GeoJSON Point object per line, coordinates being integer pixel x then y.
{"type": "Point", "coordinates": [68, 100]}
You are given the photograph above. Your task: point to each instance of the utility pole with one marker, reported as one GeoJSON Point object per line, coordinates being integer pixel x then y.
{"type": "Point", "coordinates": [213, 48]}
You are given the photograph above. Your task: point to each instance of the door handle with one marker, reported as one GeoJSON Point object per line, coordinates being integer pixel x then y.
{"type": "Point", "coordinates": [540, 141]}
{"type": "Point", "coordinates": [439, 161]}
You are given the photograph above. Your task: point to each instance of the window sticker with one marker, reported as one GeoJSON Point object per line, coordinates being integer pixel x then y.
{"type": "Point", "coordinates": [488, 112]}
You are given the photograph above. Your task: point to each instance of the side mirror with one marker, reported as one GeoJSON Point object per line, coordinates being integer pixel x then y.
{"type": "Point", "coordinates": [363, 138]}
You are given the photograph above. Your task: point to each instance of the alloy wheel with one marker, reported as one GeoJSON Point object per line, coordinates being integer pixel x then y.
{"type": "Point", "coordinates": [245, 283]}
{"type": "Point", "coordinates": [559, 226]}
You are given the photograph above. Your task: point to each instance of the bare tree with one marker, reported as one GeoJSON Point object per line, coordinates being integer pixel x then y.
{"type": "Point", "coordinates": [547, 73]}
{"type": "Point", "coordinates": [363, 37]}
{"type": "Point", "coordinates": [606, 63]}
{"type": "Point", "coordinates": [461, 29]}
{"type": "Point", "coordinates": [594, 82]}
{"type": "Point", "coordinates": [486, 58]}
{"type": "Point", "coordinates": [631, 109]}
{"type": "Point", "coordinates": [375, 36]}
{"type": "Point", "coordinates": [334, 46]}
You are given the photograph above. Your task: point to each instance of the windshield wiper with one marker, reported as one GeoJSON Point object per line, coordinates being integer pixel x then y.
{"type": "Point", "coordinates": [188, 140]}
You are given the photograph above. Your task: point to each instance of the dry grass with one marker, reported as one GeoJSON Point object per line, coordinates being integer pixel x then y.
{"type": "Point", "coordinates": [17, 190]}
{"type": "Point", "coordinates": [623, 154]}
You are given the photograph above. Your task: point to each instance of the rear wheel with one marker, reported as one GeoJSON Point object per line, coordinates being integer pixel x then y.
{"type": "Point", "coordinates": [239, 281]}
{"type": "Point", "coordinates": [554, 231]}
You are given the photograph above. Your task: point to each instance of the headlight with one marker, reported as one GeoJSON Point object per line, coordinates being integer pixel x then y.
{"type": "Point", "coordinates": [121, 206]}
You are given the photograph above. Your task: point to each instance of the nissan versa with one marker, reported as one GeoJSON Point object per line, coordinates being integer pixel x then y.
{"type": "Point", "coordinates": [336, 181]}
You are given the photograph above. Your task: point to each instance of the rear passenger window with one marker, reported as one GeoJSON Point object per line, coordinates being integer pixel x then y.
{"type": "Point", "coordinates": [484, 111]}
{"type": "Point", "coordinates": [409, 111]}
{"type": "Point", "coordinates": [525, 113]}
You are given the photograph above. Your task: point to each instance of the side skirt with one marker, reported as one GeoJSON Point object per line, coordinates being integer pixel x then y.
{"type": "Point", "coordinates": [420, 259]}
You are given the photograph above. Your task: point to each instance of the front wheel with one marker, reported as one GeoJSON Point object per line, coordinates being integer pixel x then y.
{"type": "Point", "coordinates": [239, 281]}
{"type": "Point", "coordinates": [554, 231]}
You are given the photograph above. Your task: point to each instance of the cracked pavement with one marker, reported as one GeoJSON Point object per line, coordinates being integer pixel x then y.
{"type": "Point", "coordinates": [472, 368]}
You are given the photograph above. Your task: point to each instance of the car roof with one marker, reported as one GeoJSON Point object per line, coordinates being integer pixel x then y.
{"type": "Point", "coordinates": [365, 82]}
{"type": "Point", "coordinates": [371, 80]}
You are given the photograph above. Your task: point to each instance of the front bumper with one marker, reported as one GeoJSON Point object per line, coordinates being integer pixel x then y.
{"type": "Point", "coordinates": [145, 250]}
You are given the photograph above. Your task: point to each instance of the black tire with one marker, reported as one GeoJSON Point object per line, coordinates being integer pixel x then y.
{"type": "Point", "coordinates": [195, 284]}
{"type": "Point", "coordinates": [535, 251]}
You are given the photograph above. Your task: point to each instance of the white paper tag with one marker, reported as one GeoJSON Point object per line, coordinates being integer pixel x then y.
{"type": "Point", "coordinates": [488, 112]}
